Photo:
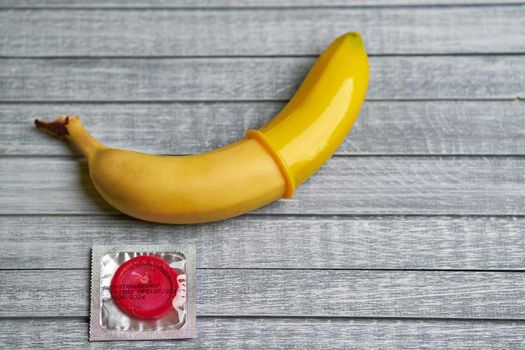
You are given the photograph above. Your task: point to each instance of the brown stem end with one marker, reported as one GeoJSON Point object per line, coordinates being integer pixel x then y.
{"type": "Point", "coordinates": [56, 127]}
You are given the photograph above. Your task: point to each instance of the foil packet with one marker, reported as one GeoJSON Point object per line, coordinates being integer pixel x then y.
{"type": "Point", "coordinates": [142, 292]}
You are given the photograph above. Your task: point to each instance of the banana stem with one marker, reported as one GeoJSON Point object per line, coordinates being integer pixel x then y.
{"type": "Point", "coordinates": [71, 128]}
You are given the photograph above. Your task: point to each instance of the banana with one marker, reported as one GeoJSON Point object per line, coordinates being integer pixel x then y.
{"type": "Point", "coordinates": [265, 165]}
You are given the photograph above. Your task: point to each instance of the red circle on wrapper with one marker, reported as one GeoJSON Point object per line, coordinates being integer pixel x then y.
{"type": "Point", "coordinates": [144, 287]}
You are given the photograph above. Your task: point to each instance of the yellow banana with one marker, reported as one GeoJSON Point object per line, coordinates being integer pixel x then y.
{"type": "Point", "coordinates": [265, 165]}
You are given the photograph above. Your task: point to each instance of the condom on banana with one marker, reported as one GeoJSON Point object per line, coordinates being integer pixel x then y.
{"type": "Point", "coordinates": [265, 165]}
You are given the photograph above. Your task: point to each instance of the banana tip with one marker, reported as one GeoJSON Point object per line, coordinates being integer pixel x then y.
{"type": "Point", "coordinates": [354, 36]}
{"type": "Point", "coordinates": [56, 127]}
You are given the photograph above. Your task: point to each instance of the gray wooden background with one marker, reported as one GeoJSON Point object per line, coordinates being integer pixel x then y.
{"type": "Point", "coordinates": [412, 236]}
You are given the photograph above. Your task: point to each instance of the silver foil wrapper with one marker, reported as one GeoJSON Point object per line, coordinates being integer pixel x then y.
{"type": "Point", "coordinates": [108, 322]}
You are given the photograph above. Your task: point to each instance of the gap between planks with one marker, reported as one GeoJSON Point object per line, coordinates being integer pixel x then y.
{"type": "Point", "coordinates": [259, 5]}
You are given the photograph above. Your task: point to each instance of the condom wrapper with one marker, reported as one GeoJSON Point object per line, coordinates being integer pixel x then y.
{"type": "Point", "coordinates": [142, 292]}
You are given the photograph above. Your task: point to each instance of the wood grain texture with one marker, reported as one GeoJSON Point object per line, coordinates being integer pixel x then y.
{"type": "Point", "coordinates": [477, 243]}
{"type": "Point", "coordinates": [297, 293]}
{"type": "Point", "coordinates": [264, 32]}
{"type": "Point", "coordinates": [241, 3]}
{"type": "Point", "coordinates": [436, 77]}
{"type": "Point", "coordinates": [358, 259]}
{"type": "Point", "coordinates": [279, 333]}
{"type": "Point", "coordinates": [383, 128]}
{"type": "Point", "coordinates": [354, 185]}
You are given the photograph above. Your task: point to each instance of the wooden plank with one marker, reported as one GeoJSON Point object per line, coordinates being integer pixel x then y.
{"type": "Point", "coordinates": [384, 128]}
{"type": "Point", "coordinates": [296, 293]}
{"type": "Point", "coordinates": [279, 333]}
{"type": "Point", "coordinates": [436, 77]}
{"type": "Point", "coordinates": [355, 185]}
{"type": "Point", "coordinates": [241, 3]}
{"type": "Point", "coordinates": [478, 243]}
{"type": "Point", "coordinates": [264, 32]}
